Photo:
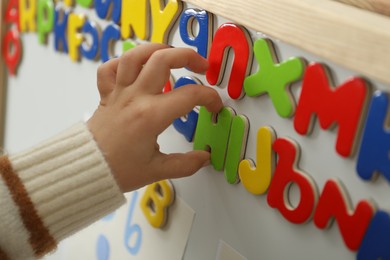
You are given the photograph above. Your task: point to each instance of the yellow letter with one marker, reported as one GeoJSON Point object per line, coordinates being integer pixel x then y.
{"type": "Point", "coordinates": [69, 3]}
{"type": "Point", "coordinates": [75, 38]}
{"type": "Point", "coordinates": [163, 19]}
{"type": "Point", "coordinates": [134, 20]}
{"type": "Point", "coordinates": [257, 179]}
{"type": "Point", "coordinates": [155, 202]}
{"type": "Point", "coordinates": [27, 15]}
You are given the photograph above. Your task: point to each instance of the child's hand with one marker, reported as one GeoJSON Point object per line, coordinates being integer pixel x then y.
{"type": "Point", "coordinates": [133, 112]}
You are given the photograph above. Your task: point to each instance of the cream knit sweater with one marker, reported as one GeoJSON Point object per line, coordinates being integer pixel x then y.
{"type": "Point", "coordinates": [52, 191]}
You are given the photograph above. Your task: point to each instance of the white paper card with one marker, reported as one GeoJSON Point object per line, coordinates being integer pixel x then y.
{"type": "Point", "coordinates": [226, 252]}
{"type": "Point", "coordinates": [126, 234]}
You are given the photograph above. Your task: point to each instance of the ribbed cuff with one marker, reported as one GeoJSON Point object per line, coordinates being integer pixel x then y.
{"type": "Point", "coordinates": [68, 181]}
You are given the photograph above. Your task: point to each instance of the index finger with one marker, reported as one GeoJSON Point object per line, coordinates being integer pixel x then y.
{"type": "Point", "coordinates": [157, 70]}
{"type": "Point", "coordinates": [181, 101]}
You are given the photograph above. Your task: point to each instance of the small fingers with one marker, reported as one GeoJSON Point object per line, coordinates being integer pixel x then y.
{"type": "Point", "coordinates": [157, 70]}
{"type": "Point", "coordinates": [132, 62]}
{"type": "Point", "coordinates": [180, 165]}
{"type": "Point", "coordinates": [106, 78]}
{"type": "Point", "coordinates": [181, 101]}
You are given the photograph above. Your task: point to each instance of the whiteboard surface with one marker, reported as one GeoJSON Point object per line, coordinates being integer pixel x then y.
{"type": "Point", "coordinates": [51, 93]}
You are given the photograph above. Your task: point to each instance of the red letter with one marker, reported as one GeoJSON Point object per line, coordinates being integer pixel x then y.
{"type": "Point", "coordinates": [230, 36]}
{"type": "Point", "coordinates": [342, 105]}
{"type": "Point", "coordinates": [334, 203]}
{"type": "Point", "coordinates": [12, 13]}
{"type": "Point", "coordinates": [285, 175]}
{"type": "Point", "coordinates": [12, 50]}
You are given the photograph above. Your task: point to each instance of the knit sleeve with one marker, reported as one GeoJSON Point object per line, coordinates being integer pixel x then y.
{"type": "Point", "coordinates": [52, 191]}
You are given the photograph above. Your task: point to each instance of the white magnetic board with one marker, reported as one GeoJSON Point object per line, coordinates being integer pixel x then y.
{"type": "Point", "coordinates": [51, 92]}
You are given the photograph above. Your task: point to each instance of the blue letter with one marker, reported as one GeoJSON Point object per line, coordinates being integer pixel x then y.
{"type": "Point", "coordinates": [112, 32]}
{"type": "Point", "coordinates": [60, 26]}
{"type": "Point", "coordinates": [90, 51]}
{"type": "Point", "coordinates": [132, 229]}
{"type": "Point", "coordinates": [375, 147]}
{"type": "Point", "coordinates": [375, 244]}
{"type": "Point", "coordinates": [187, 126]}
{"type": "Point", "coordinates": [200, 41]}
{"type": "Point", "coordinates": [103, 6]}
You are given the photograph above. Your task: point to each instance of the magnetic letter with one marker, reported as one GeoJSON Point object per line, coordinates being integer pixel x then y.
{"type": "Point", "coordinates": [27, 15]}
{"type": "Point", "coordinates": [236, 148]}
{"type": "Point", "coordinates": [186, 126]}
{"type": "Point", "coordinates": [60, 27]}
{"type": "Point", "coordinates": [134, 19]}
{"type": "Point", "coordinates": [256, 178]}
{"type": "Point", "coordinates": [91, 50]}
{"type": "Point", "coordinates": [156, 201]}
{"type": "Point", "coordinates": [75, 38]}
{"type": "Point", "coordinates": [103, 9]}
{"type": "Point", "coordinates": [375, 147]}
{"type": "Point", "coordinates": [110, 34]}
{"type": "Point", "coordinates": [342, 105]}
{"type": "Point", "coordinates": [68, 3]}
{"type": "Point", "coordinates": [334, 203]}
{"type": "Point", "coordinates": [230, 36]}
{"type": "Point", "coordinates": [127, 45]}
{"type": "Point", "coordinates": [202, 40]}
{"type": "Point", "coordinates": [274, 78]}
{"type": "Point", "coordinates": [214, 136]}
{"type": "Point", "coordinates": [164, 18]}
{"type": "Point", "coordinates": [84, 3]}
{"type": "Point", "coordinates": [45, 18]}
{"type": "Point", "coordinates": [285, 175]}
{"type": "Point", "coordinates": [12, 50]}
{"type": "Point", "coordinates": [375, 244]}
{"type": "Point", "coordinates": [12, 13]}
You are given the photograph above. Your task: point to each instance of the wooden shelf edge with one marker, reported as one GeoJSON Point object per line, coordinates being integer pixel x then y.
{"type": "Point", "coordinates": [354, 38]}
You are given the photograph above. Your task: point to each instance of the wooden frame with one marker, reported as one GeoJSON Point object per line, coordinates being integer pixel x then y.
{"type": "Point", "coordinates": [3, 78]}
{"type": "Point", "coordinates": [352, 37]}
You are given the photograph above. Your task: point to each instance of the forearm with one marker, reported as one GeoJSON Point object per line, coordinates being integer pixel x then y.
{"type": "Point", "coordinates": [51, 191]}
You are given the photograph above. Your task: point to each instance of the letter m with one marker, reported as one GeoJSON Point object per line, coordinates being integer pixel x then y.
{"type": "Point", "coordinates": [342, 105]}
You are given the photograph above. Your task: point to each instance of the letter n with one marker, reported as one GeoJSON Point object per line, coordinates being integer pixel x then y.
{"type": "Point", "coordinates": [334, 203]}
{"type": "Point", "coordinates": [342, 105]}
{"type": "Point", "coordinates": [230, 36]}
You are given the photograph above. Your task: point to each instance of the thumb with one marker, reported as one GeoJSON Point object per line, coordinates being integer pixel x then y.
{"type": "Point", "coordinates": [179, 165]}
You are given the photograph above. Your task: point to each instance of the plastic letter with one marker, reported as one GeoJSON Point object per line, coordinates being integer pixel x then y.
{"type": "Point", "coordinates": [164, 18]}
{"type": "Point", "coordinates": [256, 179]}
{"type": "Point", "coordinates": [186, 126]}
{"type": "Point", "coordinates": [75, 38]}
{"type": "Point", "coordinates": [90, 51]}
{"type": "Point", "coordinates": [110, 34]}
{"type": "Point", "coordinates": [202, 40]}
{"type": "Point", "coordinates": [60, 27]}
{"type": "Point", "coordinates": [27, 15]}
{"type": "Point", "coordinates": [230, 36]}
{"type": "Point", "coordinates": [214, 135]}
{"type": "Point", "coordinates": [12, 50]}
{"type": "Point", "coordinates": [342, 105]}
{"type": "Point", "coordinates": [286, 173]}
{"type": "Point", "coordinates": [103, 7]}
{"type": "Point", "coordinates": [375, 148]}
{"type": "Point", "coordinates": [45, 24]}
{"type": "Point", "coordinates": [274, 78]}
{"type": "Point", "coordinates": [134, 19]}
{"type": "Point", "coordinates": [375, 244]}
